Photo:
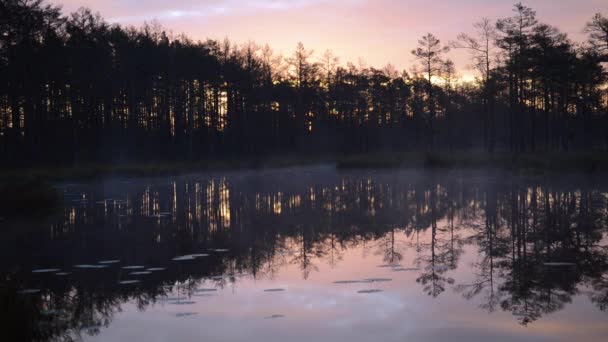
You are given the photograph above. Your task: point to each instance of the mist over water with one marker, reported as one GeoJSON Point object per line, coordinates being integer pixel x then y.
{"type": "Point", "coordinates": [312, 253]}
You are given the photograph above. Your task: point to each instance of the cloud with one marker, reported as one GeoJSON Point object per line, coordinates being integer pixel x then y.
{"type": "Point", "coordinates": [184, 9]}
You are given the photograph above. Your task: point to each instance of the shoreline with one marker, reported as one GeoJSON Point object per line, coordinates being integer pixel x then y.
{"type": "Point", "coordinates": [529, 163]}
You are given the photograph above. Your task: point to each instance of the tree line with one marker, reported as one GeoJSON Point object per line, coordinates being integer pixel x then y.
{"type": "Point", "coordinates": [74, 88]}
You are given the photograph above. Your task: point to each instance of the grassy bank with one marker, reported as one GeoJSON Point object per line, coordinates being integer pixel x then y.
{"type": "Point", "coordinates": [535, 163]}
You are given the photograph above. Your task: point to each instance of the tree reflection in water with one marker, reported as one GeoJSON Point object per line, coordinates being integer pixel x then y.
{"type": "Point", "coordinates": [265, 221]}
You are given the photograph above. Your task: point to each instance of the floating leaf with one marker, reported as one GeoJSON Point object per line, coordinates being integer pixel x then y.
{"type": "Point", "coordinates": [182, 302]}
{"type": "Point", "coordinates": [184, 258]}
{"type": "Point", "coordinates": [351, 281]}
{"type": "Point", "coordinates": [63, 273]}
{"type": "Point", "coordinates": [559, 264]}
{"type": "Point", "coordinates": [402, 269]}
{"type": "Point", "coordinates": [140, 273]}
{"type": "Point", "coordinates": [29, 291]}
{"type": "Point", "coordinates": [47, 270]}
{"type": "Point", "coordinates": [128, 282]}
{"type": "Point", "coordinates": [274, 317]}
{"type": "Point", "coordinates": [370, 291]}
{"type": "Point", "coordinates": [185, 314]}
{"type": "Point", "coordinates": [205, 290]}
{"type": "Point", "coordinates": [90, 266]}
{"type": "Point", "coordinates": [133, 267]}
{"type": "Point", "coordinates": [156, 269]}
{"type": "Point", "coordinates": [107, 262]}
{"type": "Point", "coordinates": [378, 280]}
{"type": "Point", "coordinates": [274, 290]}
{"type": "Point", "coordinates": [172, 298]}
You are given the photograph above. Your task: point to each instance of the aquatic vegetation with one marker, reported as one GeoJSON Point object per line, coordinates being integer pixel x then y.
{"type": "Point", "coordinates": [182, 302]}
{"type": "Point", "coordinates": [186, 314]}
{"type": "Point", "coordinates": [274, 317]}
{"type": "Point", "coordinates": [274, 290]}
{"type": "Point", "coordinates": [405, 269]}
{"type": "Point", "coordinates": [29, 291]}
{"type": "Point", "coordinates": [559, 264]}
{"type": "Point", "coordinates": [370, 291]}
{"type": "Point", "coordinates": [184, 258]}
{"type": "Point", "coordinates": [47, 270]}
{"type": "Point", "coordinates": [352, 281]}
{"type": "Point", "coordinates": [205, 290]}
{"type": "Point", "coordinates": [86, 266]}
{"type": "Point", "coordinates": [378, 280]}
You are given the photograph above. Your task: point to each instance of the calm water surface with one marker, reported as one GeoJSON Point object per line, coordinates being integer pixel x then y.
{"type": "Point", "coordinates": [313, 254]}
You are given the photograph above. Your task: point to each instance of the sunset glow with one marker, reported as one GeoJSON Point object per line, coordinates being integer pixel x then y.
{"type": "Point", "coordinates": [377, 32]}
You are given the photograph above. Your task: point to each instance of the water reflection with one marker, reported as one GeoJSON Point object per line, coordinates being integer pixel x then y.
{"type": "Point", "coordinates": [533, 245]}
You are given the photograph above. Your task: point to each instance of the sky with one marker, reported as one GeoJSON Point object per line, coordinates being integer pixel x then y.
{"type": "Point", "coordinates": [376, 31]}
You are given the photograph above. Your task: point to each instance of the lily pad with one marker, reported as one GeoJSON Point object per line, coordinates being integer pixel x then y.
{"type": "Point", "coordinates": [90, 266]}
{"type": "Point", "coordinates": [275, 317]}
{"type": "Point", "coordinates": [47, 270]}
{"type": "Point", "coordinates": [185, 314]}
{"type": "Point", "coordinates": [29, 291]}
{"type": "Point", "coordinates": [183, 258]}
{"type": "Point", "coordinates": [389, 266]}
{"type": "Point", "coordinates": [274, 290]}
{"type": "Point", "coordinates": [404, 269]}
{"type": "Point", "coordinates": [378, 280]}
{"type": "Point", "coordinates": [182, 302]}
{"type": "Point", "coordinates": [351, 281]}
{"type": "Point", "coordinates": [369, 291]}
{"type": "Point", "coordinates": [559, 264]}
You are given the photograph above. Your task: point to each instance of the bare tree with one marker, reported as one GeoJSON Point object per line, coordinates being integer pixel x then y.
{"type": "Point", "coordinates": [481, 48]}
{"type": "Point", "coordinates": [430, 53]}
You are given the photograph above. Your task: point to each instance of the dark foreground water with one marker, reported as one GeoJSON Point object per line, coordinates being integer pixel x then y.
{"type": "Point", "coordinates": [313, 255]}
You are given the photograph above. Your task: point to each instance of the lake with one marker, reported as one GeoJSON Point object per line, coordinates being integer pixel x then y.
{"type": "Point", "coordinates": [313, 254]}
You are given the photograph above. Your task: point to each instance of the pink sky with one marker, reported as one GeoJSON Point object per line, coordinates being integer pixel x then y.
{"type": "Point", "coordinates": [378, 31]}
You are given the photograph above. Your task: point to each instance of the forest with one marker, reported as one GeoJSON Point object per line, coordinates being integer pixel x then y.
{"type": "Point", "coordinates": [77, 89]}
